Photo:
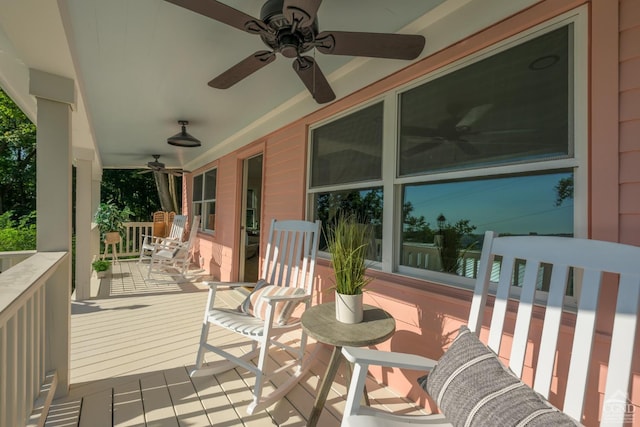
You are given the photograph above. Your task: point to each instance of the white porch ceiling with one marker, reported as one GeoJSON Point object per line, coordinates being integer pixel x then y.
{"type": "Point", "coordinates": [141, 65]}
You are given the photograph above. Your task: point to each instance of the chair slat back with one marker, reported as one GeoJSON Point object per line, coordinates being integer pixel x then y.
{"type": "Point", "coordinates": [193, 232]}
{"type": "Point", "coordinates": [589, 260]}
{"type": "Point", "coordinates": [159, 219]}
{"type": "Point", "coordinates": [291, 251]}
{"type": "Point", "coordinates": [177, 227]}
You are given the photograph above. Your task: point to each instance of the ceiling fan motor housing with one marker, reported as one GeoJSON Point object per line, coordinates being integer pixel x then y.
{"type": "Point", "coordinates": [289, 41]}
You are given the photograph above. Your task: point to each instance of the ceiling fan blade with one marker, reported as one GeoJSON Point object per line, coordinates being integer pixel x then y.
{"type": "Point", "coordinates": [375, 45]}
{"type": "Point", "coordinates": [314, 79]}
{"type": "Point", "coordinates": [143, 171]}
{"type": "Point", "coordinates": [418, 131]}
{"type": "Point", "coordinates": [223, 13]}
{"type": "Point", "coordinates": [466, 147]}
{"type": "Point", "coordinates": [243, 69]}
{"type": "Point", "coordinates": [301, 11]}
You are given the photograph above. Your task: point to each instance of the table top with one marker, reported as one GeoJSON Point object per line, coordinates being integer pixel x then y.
{"type": "Point", "coordinates": [319, 322]}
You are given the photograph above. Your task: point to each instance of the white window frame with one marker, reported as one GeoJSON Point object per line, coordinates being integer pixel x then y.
{"type": "Point", "coordinates": [204, 211]}
{"type": "Point", "coordinates": [392, 184]}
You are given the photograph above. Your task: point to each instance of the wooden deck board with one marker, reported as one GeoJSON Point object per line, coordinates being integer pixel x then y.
{"type": "Point", "coordinates": [128, 410]}
{"type": "Point", "coordinates": [132, 350]}
{"type": "Point", "coordinates": [96, 410]}
{"type": "Point", "coordinates": [185, 399]}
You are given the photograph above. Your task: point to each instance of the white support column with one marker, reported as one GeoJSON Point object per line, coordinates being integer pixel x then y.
{"type": "Point", "coordinates": [84, 215]}
{"type": "Point", "coordinates": [55, 96]}
{"type": "Point", "coordinates": [95, 194]}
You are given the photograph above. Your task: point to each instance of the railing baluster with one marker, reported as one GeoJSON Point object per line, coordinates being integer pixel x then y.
{"type": "Point", "coordinates": [23, 348]}
{"type": "Point", "coordinates": [12, 371]}
{"type": "Point", "coordinates": [21, 362]}
{"type": "Point", "coordinates": [3, 374]}
{"type": "Point", "coordinates": [134, 234]}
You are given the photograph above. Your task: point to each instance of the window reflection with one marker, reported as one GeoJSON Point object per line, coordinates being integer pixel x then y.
{"type": "Point", "coordinates": [365, 204]}
{"type": "Point", "coordinates": [511, 106]}
{"type": "Point", "coordinates": [444, 223]}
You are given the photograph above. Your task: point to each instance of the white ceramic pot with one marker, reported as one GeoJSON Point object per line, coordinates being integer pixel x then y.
{"type": "Point", "coordinates": [349, 308]}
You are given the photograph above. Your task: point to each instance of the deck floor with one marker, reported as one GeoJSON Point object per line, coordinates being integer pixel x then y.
{"type": "Point", "coordinates": [132, 349]}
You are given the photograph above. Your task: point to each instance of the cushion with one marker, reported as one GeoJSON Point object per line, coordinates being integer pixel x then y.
{"type": "Point", "coordinates": [473, 388]}
{"type": "Point", "coordinates": [257, 307]}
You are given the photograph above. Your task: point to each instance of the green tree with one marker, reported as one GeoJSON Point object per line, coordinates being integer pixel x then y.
{"type": "Point", "coordinates": [450, 243]}
{"type": "Point", "coordinates": [17, 235]}
{"type": "Point", "coordinates": [564, 190]}
{"type": "Point", "coordinates": [128, 188]}
{"type": "Point", "coordinates": [415, 228]}
{"type": "Point", "coordinates": [17, 160]}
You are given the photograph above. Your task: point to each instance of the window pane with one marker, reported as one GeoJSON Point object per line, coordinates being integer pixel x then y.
{"type": "Point", "coordinates": [444, 223]}
{"type": "Point", "coordinates": [210, 184]}
{"type": "Point", "coordinates": [509, 107]}
{"type": "Point", "coordinates": [197, 188]}
{"type": "Point", "coordinates": [197, 210]}
{"type": "Point", "coordinates": [210, 219]}
{"type": "Point", "coordinates": [366, 204]}
{"type": "Point", "coordinates": [349, 149]}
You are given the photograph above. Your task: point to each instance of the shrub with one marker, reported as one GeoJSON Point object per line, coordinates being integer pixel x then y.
{"type": "Point", "coordinates": [101, 265]}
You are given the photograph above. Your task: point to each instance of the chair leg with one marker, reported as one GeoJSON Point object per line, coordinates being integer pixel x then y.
{"type": "Point", "coordinates": [262, 361]}
{"type": "Point", "coordinates": [203, 339]}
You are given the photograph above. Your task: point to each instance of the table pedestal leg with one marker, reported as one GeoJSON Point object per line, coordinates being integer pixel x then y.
{"type": "Point", "coordinates": [325, 385]}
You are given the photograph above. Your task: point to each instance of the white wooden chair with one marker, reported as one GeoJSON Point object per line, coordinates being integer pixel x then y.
{"type": "Point", "coordinates": [590, 259]}
{"type": "Point", "coordinates": [170, 256]}
{"type": "Point", "coordinates": [287, 280]}
{"type": "Point", "coordinates": [149, 243]}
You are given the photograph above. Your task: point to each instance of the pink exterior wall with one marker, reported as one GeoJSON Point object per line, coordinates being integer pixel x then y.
{"type": "Point", "coordinates": [629, 121]}
{"type": "Point", "coordinates": [427, 312]}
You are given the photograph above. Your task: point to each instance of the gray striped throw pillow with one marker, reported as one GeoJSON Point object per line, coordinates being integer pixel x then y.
{"type": "Point", "coordinates": [473, 388]}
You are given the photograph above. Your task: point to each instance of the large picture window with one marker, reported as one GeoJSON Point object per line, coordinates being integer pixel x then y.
{"type": "Point", "coordinates": [204, 199]}
{"type": "Point", "coordinates": [494, 142]}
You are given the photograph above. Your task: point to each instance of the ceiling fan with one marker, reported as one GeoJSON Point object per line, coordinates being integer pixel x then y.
{"type": "Point", "coordinates": [290, 27]}
{"type": "Point", "coordinates": [157, 166]}
{"type": "Point", "coordinates": [462, 128]}
{"type": "Point", "coordinates": [453, 129]}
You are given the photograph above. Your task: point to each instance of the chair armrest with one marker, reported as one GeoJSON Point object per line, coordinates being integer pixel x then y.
{"type": "Point", "coordinates": [388, 358]}
{"type": "Point", "coordinates": [272, 299]}
{"type": "Point", "coordinates": [231, 284]}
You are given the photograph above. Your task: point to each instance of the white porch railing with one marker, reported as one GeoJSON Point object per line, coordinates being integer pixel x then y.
{"type": "Point", "coordinates": [28, 323]}
{"type": "Point", "coordinates": [9, 259]}
{"type": "Point", "coordinates": [427, 257]}
{"type": "Point", "coordinates": [132, 241]}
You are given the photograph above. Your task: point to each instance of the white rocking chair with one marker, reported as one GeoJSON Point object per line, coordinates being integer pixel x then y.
{"type": "Point", "coordinates": [589, 258]}
{"type": "Point", "coordinates": [150, 243]}
{"type": "Point", "coordinates": [287, 280]}
{"type": "Point", "coordinates": [170, 256]}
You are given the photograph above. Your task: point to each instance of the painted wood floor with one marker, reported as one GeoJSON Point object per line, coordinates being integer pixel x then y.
{"type": "Point", "coordinates": [132, 349]}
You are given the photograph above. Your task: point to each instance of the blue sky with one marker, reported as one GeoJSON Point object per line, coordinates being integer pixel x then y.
{"type": "Point", "coordinates": [517, 205]}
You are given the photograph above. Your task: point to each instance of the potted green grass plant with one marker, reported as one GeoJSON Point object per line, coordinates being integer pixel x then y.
{"type": "Point", "coordinates": [348, 243]}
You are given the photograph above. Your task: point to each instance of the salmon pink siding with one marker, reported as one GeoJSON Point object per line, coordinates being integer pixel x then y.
{"type": "Point", "coordinates": [284, 177]}
{"type": "Point", "coordinates": [630, 121]}
{"type": "Point", "coordinates": [429, 314]}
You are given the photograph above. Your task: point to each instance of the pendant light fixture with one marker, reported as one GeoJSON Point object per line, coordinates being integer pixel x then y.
{"type": "Point", "coordinates": [183, 139]}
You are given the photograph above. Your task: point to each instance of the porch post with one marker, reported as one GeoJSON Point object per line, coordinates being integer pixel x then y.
{"type": "Point", "coordinates": [55, 96]}
{"type": "Point", "coordinates": [96, 184]}
{"type": "Point", "coordinates": [84, 214]}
